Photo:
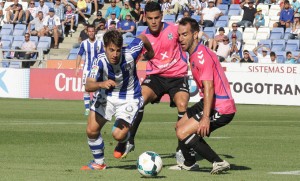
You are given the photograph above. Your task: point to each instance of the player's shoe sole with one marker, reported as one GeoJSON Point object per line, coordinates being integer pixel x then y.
{"type": "Point", "coordinates": [219, 167]}
{"type": "Point", "coordinates": [194, 167]}
{"type": "Point", "coordinates": [94, 166]}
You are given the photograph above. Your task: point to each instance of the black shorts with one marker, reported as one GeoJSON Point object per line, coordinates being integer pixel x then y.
{"type": "Point", "coordinates": [217, 120]}
{"type": "Point", "coordinates": [163, 85]}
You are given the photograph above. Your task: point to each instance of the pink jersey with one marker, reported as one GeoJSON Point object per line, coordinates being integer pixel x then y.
{"type": "Point", "coordinates": [167, 61]}
{"type": "Point", "coordinates": [206, 66]}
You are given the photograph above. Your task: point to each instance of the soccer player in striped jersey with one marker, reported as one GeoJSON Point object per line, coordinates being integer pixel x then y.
{"type": "Point", "coordinates": [90, 47]}
{"type": "Point", "coordinates": [117, 92]}
{"type": "Point", "coordinates": [216, 109]}
{"type": "Point", "coordinates": [166, 72]}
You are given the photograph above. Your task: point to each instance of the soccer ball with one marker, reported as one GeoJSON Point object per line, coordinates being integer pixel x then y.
{"type": "Point", "coordinates": [149, 164]}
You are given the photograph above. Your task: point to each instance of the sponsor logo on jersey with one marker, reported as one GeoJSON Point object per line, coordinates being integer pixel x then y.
{"type": "Point", "coordinates": [201, 57]}
{"type": "Point", "coordinates": [129, 108]}
{"type": "Point", "coordinates": [94, 70]}
{"type": "Point", "coordinates": [170, 36]}
{"type": "Point", "coordinates": [146, 81]}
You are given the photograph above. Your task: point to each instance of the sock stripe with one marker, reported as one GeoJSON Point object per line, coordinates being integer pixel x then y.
{"type": "Point", "coordinates": [96, 147]}
{"type": "Point", "coordinates": [190, 138]}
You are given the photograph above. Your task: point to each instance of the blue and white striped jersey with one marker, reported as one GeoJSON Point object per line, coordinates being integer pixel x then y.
{"type": "Point", "coordinates": [90, 50]}
{"type": "Point", "coordinates": [124, 73]}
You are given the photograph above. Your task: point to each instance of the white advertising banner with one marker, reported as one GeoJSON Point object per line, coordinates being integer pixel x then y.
{"type": "Point", "coordinates": [14, 83]}
{"type": "Point", "coordinates": [274, 84]}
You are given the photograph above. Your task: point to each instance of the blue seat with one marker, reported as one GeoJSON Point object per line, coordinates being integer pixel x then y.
{"type": "Point", "coordinates": [234, 6]}
{"type": "Point", "coordinates": [143, 5]}
{"type": "Point", "coordinates": [7, 29]}
{"type": "Point", "coordinates": [287, 33]}
{"type": "Point", "coordinates": [210, 31]}
{"type": "Point", "coordinates": [72, 56]}
{"type": "Point", "coordinates": [169, 18]}
{"type": "Point", "coordinates": [44, 43]}
{"type": "Point", "coordinates": [6, 44]}
{"type": "Point", "coordinates": [19, 30]}
{"type": "Point", "coordinates": [196, 17]}
{"type": "Point", "coordinates": [15, 64]}
{"type": "Point", "coordinates": [234, 12]}
{"type": "Point", "coordinates": [140, 29]}
{"type": "Point", "coordinates": [74, 50]}
{"type": "Point", "coordinates": [49, 4]}
{"type": "Point", "coordinates": [179, 17]}
{"type": "Point", "coordinates": [128, 40]}
{"type": "Point", "coordinates": [222, 21]}
{"type": "Point", "coordinates": [7, 38]}
{"type": "Point", "coordinates": [267, 43]}
{"type": "Point", "coordinates": [227, 2]}
{"type": "Point", "coordinates": [89, 9]}
{"type": "Point", "coordinates": [223, 8]}
{"type": "Point", "coordinates": [18, 41]}
{"type": "Point", "coordinates": [280, 56]}
{"type": "Point", "coordinates": [278, 45]}
{"type": "Point", "coordinates": [35, 39]}
{"type": "Point", "coordinates": [277, 33]}
{"type": "Point", "coordinates": [292, 45]}
{"type": "Point", "coordinates": [253, 56]}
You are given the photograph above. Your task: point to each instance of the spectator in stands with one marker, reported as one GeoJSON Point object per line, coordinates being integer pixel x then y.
{"type": "Point", "coordinates": [81, 9]}
{"type": "Point", "coordinates": [235, 33]}
{"type": "Point", "coordinates": [138, 13]}
{"type": "Point", "coordinates": [234, 46]}
{"type": "Point", "coordinates": [176, 7]}
{"type": "Point", "coordinates": [59, 9]}
{"type": "Point", "coordinates": [165, 5]}
{"type": "Point", "coordinates": [44, 8]}
{"type": "Point", "coordinates": [127, 26]}
{"type": "Point", "coordinates": [1, 9]}
{"type": "Point", "coordinates": [15, 10]}
{"type": "Point", "coordinates": [223, 50]}
{"type": "Point", "coordinates": [217, 39]}
{"type": "Point", "coordinates": [113, 18]}
{"type": "Point", "coordinates": [249, 13]}
{"type": "Point", "coordinates": [185, 15]}
{"type": "Point", "coordinates": [273, 57]}
{"type": "Point", "coordinates": [204, 4]}
{"type": "Point", "coordinates": [28, 46]}
{"type": "Point", "coordinates": [99, 19]}
{"type": "Point", "coordinates": [290, 59]}
{"type": "Point", "coordinates": [113, 8]}
{"type": "Point", "coordinates": [95, 5]}
{"type": "Point", "coordinates": [262, 57]}
{"type": "Point", "coordinates": [38, 25]}
{"type": "Point", "coordinates": [235, 58]}
{"type": "Point", "coordinates": [247, 57]}
{"type": "Point", "coordinates": [259, 19]}
{"type": "Point", "coordinates": [69, 18]}
{"type": "Point", "coordinates": [112, 26]}
{"type": "Point", "coordinates": [52, 27]}
{"type": "Point", "coordinates": [295, 31]}
{"type": "Point", "coordinates": [195, 7]}
{"type": "Point", "coordinates": [31, 12]}
{"type": "Point", "coordinates": [83, 36]}
{"type": "Point", "coordinates": [124, 11]}
{"type": "Point", "coordinates": [210, 14]}
{"type": "Point", "coordinates": [296, 6]}
{"type": "Point", "coordinates": [286, 16]}
{"type": "Point", "coordinates": [68, 2]}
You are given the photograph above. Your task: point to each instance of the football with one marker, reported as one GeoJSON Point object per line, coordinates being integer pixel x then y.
{"type": "Point", "coordinates": [149, 164]}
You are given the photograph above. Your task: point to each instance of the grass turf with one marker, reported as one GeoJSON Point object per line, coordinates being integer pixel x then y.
{"type": "Point", "coordinates": [45, 140]}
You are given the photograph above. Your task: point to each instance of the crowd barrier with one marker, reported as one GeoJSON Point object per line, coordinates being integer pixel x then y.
{"type": "Point", "coordinates": [272, 84]}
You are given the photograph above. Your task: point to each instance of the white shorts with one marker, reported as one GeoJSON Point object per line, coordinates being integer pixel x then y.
{"type": "Point", "coordinates": [112, 106]}
{"type": "Point", "coordinates": [85, 73]}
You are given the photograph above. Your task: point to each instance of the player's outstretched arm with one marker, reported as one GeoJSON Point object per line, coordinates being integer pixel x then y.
{"type": "Point", "coordinates": [92, 85]}
{"type": "Point", "coordinates": [150, 52]}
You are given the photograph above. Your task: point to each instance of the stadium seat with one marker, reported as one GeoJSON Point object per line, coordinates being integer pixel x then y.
{"type": "Point", "coordinates": [44, 43]}
{"type": "Point", "coordinates": [49, 4]}
{"type": "Point", "coordinates": [196, 17]}
{"type": "Point", "coordinates": [128, 40]}
{"type": "Point", "coordinates": [89, 9]}
{"type": "Point", "coordinates": [143, 5]}
{"type": "Point", "coordinates": [234, 12]}
{"type": "Point", "coordinates": [278, 45]}
{"type": "Point", "coordinates": [262, 33]}
{"type": "Point", "coordinates": [7, 38]}
{"type": "Point", "coordinates": [277, 33]}
{"type": "Point", "coordinates": [222, 21]}
{"type": "Point", "coordinates": [281, 55]}
{"type": "Point", "coordinates": [7, 29]}
{"type": "Point", "coordinates": [292, 45]}
{"type": "Point", "coordinates": [234, 19]}
{"type": "Point", "coordinates": [287, 33]}
{"type": "Point", "coordinates": [227, 2]}
{"type": "Point", "coordinates": [267, 21]}
{"type": "Point", "coordinates": [254, 56]}
{"type": "Point", "coordinates": [18, 41]}
{"type": "Point", "coordinates": [19, 30]}
{"type": "Point", "coordinates": [249, 34]}
{"type": "Point", "coordinates": [169, 18]}
{"type": "Point", "coordinates": [210, 31]}
{"type": "Point", "coordinates": [24, 5]}
{"type": "Point", "coordinates": [267, 43]}
{"type": "Point", "coordinates": [264, 8]}
{"type": "Point", "coordinates": [274, 10]}
{"type": "Point", "coordinates": [273, 19]}
{"type": "Point", "coordinates": [235, 6]}
{"type": "Point", "coordinates": [35, 39]}
{"type": "Point", "coordinates": [179, 17]}
{"type": "Point", "coordinates": [15, 64]}
{"type": "Point", "coordinates": [140, 29]}
{"type": "Point", "coordinates": [250, 45]}
{"type": "Point", "coordinates": [6, 44]}
{"type": "Point", "coordinates": [223, 8]}
{"type": "Point", "coordinates": [226, 31]}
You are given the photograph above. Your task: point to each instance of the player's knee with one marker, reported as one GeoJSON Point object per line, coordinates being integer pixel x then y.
{"type": "Point", "coordinates": [120, 130]}
{"type": "Point", "coordinates": [92, 133]}
{"type": "Point", "coordinates": [180, 133]}
{"type": "Point", "coordinates": [181, 106]}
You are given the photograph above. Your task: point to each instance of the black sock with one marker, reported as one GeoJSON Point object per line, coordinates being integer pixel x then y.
{"type": "Point", "coordinates": [201, 147]}
{"type": "Point", "coordinates": [180, 115]}
{"type": "Point", "coordinates": [189, 159]}
{"type": "Point", "coordinates": [135, 125]}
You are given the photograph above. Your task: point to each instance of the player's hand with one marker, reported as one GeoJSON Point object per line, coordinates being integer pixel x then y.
{"type": "Point", "coordinates": [203, 127]}
{"type": "Point", "coordinates": [108, 84]}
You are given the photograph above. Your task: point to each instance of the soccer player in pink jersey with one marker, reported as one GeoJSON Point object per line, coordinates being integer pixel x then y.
{"type": "Point", "coordinates": [166, 71]}
{"type": "Point", "coordinates": [214, 110]}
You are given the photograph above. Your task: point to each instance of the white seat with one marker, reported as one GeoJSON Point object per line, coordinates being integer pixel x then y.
{"type": "Point", "coordinates": [249, 34]}
{"type": "Point", "coordinates": [250, 45]}
{"type": "Point", "coordinates": [264, 8]}
{"type": "Point", "coordinates": [274, 10]}
{"type": "Point", "coordinates": [267, 21]}
{"type": "Point", "coordinates": [234, 19]}
{"type": "Point", "coordinates": [273, 19]}
{"type": "Point", "coordinates": [263, 33]}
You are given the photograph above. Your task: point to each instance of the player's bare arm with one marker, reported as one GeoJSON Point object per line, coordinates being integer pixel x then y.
{"type": "Point", "coordinates": [78, 60]}
{"type": "Point", "coordinates": [150, 52]}
{"type": "Point", "coordinates": [92, 85]}
{"type": "Point", "coordinates": [208, 96]}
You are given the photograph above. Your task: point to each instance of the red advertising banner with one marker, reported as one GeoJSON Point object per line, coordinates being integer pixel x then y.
{"type": "Point", "coordinates": [61, 84]}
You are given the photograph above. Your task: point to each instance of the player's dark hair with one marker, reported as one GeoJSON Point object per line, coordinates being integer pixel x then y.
{"type": "Point", "coordinates": [90, 26]}
{"type": "Point", "coordinates": [152, 6]}
{"type": "Point", "coordinates": [194, 24]}
{"type": "Point", "coordinates": [114, 37]}
{"type": "Point", "coordinates": [288, 52]}
{"type": "Point", "coordinates": [272, 54]}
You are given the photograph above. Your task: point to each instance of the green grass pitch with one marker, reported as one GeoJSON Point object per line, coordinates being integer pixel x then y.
{"type": "Point", "coordinates": [46, 140]}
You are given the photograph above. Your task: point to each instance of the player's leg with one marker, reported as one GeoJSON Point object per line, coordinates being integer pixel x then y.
{"type": "Point", "coordinates": [95, 141]}
{"type": "Point", "coordinates": [86, 95]}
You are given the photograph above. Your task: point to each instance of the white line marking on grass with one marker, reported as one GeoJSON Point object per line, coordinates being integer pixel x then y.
{"type": "Point", "coordinates": [287, 173]}
{"type": "Point", "coordinates": [219, 137]}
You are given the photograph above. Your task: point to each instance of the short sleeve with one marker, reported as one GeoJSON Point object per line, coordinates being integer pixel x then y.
{"type": "Point", "coordinates": [81, 49]}
{"type": "Point", "coordinates": [135, 48]}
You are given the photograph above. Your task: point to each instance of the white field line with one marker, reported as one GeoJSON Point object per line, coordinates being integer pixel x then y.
{"type": "Point", "coordinates": [286, 173]}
